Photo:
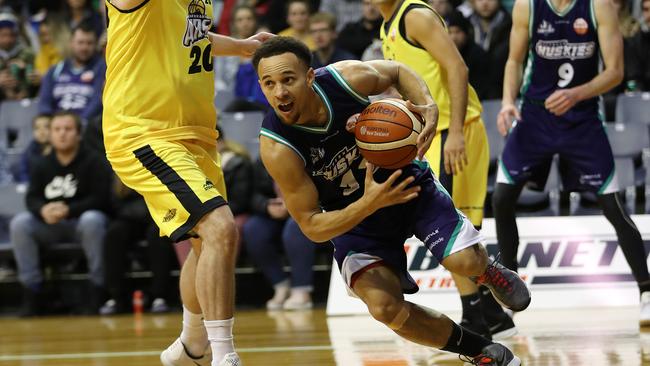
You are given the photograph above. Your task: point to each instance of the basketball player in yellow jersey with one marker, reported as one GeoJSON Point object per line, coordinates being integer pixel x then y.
{"type": "Point", "coordinates": [413, 33]}
{"type": "Point", "coordinates": [160, 136]}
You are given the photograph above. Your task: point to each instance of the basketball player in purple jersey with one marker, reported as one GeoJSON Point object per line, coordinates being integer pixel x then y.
{"type": "Point", "coordinates": [564, 40]}
{"type": "Point", "coordinates": [368, 213]}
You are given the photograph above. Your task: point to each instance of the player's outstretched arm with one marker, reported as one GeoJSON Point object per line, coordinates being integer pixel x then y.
{"type": "Point", "coordinates": [301, 197]}
{"type": "Point", "coordinates": [513, 71]}
{"type": "Point", "coordinates": [228, 46]}
{"type": "Point", "coordinates": [377, 76]}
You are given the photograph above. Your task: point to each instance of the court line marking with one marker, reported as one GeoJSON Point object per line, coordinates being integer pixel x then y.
{"type": "Point", "coordinates": [92, 355]}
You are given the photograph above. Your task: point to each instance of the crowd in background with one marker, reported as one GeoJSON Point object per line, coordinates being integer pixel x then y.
{"type": "Point", "coordinates": [52, 51]}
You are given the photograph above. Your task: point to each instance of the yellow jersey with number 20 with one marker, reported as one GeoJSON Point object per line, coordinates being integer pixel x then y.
{"type": "Point", "coordinates": [159, 77]}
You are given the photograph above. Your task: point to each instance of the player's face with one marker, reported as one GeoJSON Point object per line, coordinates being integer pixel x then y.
{"type": "Point", "coordinates": [298, 16]}
{"type": "Point", "coordinates": [285, 82]}
{"type": "Point", "coordinates": [645, 11]}
{"type": "Point", "coordinates": [63, 133]}
{"type": "Point", "coordinates": [244, 22]}
{"type": "Point", "coordinates": [83, 46]}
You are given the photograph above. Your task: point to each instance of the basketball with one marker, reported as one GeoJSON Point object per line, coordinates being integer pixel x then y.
{"type": "Point", "coordinates": [387, 132]}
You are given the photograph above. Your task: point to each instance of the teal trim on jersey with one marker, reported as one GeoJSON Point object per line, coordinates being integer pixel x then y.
{"type": "Point", "coordinates": [528, 73]}
{"type": "Point", "coordinates": [441, 188]}
{"type": "Point", "coordinates": [607, 182]}
{"type": "Point", "coordinates": [339, 79]}
{"type": "Point", "coordinates": [273, 136]}
{"type": "Point", "coordinates": [423, 164]}
{"type": "Point", "coordinates": [506, 172]}
{"type": "Point", "coordinates": [531, 13]}
{"type": "Point", "coordinates": [592, 11]}
{"type": "Point", "coordinates": [563, 13]}
{"type": "Point", "coordinates": [330, 113]}
{"type": "Point", "coordinates": [454, 235]}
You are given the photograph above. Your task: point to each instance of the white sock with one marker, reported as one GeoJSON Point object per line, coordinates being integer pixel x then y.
{"type": "Point", "coordinates": [194, 336]}
{"type": "Point", "coordinates": [220, 336]}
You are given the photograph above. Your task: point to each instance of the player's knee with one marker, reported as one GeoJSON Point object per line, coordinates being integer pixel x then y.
{"type": "Point", "coordinates": [219, 227]}
{"type": "Point", "coordinates": [392, 312]}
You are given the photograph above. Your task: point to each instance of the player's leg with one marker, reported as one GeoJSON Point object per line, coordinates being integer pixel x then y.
{"type": "Point", "coordinates": [453, 241]}
{"type": "Point", "coordinates": [380, 289]}
{"type": "Point", "coordinates": [215, 279]}
{"type": "Point", "coordinates": [591, 167]}
{"type": "Point", "coordinates": [504, 201]}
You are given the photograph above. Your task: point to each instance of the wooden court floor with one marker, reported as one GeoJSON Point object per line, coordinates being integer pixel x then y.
{"type": "Point", "coordinates": [547, 338]}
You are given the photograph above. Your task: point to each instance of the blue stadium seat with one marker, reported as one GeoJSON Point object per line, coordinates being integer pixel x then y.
{"type": "Point", "coordinates": [242, 127]}
{"type": "Point", "coordinates": [16, 117]}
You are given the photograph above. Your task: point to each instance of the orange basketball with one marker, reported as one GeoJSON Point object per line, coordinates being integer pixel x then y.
{"type": "Point", "coordinates": [387, 133]}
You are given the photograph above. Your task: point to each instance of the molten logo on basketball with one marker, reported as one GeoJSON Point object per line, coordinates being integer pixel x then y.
{"type": "Point", "coordinates": [374, 131]}
{"type": "Point", "coordinates": [379, 109]}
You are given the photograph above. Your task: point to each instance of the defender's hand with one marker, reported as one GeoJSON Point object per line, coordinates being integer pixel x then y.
{"type": "Point", "coordinates": [454, 153]}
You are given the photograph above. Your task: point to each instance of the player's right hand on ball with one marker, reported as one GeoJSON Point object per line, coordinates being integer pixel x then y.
{"type": "Point", "coordinates": [506, 116]}
{"type": "Point", "coordinates": [388, 193]}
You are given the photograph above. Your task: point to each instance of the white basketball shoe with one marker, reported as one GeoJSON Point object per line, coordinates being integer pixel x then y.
{"type": "Point", "coordinates": [230, 359]}
{"type": "Point", "coordinates": [176, 355]}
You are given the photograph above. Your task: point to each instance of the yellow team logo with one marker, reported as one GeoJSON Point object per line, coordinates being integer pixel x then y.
{"type": "Point", "coordinates": [198, 23]}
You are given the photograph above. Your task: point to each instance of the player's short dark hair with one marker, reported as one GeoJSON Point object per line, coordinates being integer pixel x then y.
{"type": "Point", "coordinates": [279, 45]}
{"type": "Point", "coordinates": [85, 26]}
{"type": "Point", "coordinates": [77, 119]}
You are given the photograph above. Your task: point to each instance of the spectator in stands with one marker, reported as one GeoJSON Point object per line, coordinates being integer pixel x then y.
{"type": "Point", "coordinates": [131, 224]}
{"type": "Point", "coordinates": [357, 36]}
{"type": "Point", "coordinates": [637, 61]}
{"type": "Point", "coordinates": [77, 12]}
{"type": "Point", "coordinates": [76, 84]}
{"type": "Point", "coordinates": [322, 27]}
{"type": "Point", "coordinates": [66, 199]}
{"type": "Point", "coordinates": [270, 228]}
{"type": "Point", "coordinates": [244, 25]}
{"type": "Point", "coordinates": [475, 58]}
{"type": "Point", "coordinates": [298, 12]}
{"type": "Point", "coordinates": [442, 7]}
{"type": "Point", "coordinates": [37, 148]}
{"type": "Point", "coordinates": [626, 22]}
{"type": "Point", "coordinates": [238, 174]}
{"type": "Point", "coordinates": [344, 11]}
{"type": "Point", "coordinates": [18, 78]}
{"type": "Point", "coordinates": [53, 41]}
{"type": "Point", "coordinates": [492, 23]}
{"type": "Point", "coordinates": [236, 74]}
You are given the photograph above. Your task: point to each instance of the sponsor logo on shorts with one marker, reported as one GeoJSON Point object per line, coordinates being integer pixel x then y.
{"type": "Point", "coordinates": [595, 180]}
{"type": "Point", "coordinates": [170, 215]}
{"type": "Point", "coordinates": [208, 185]}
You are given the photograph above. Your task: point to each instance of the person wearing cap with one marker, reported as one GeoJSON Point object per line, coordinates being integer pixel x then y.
{"type": "Point", "coordinates": [18, 78]}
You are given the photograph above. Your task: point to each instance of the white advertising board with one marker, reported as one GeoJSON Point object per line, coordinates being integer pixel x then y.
{"type": "Point", "coordinates": [568, 262]}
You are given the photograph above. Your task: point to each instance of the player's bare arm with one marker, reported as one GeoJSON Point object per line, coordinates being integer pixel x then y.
{"type": "Point", "coordinates": [611, 45]}
{"type": "Point", "coordinates": [375, 77]}
{"type": "Point", "coordinates": [514, 66]}
{"type": "Point", "coordinates": [426, 29]}
{"type": "Point", "coordinates": [301, 197]}
{"type": "Point", "coordinates": [228, 46]}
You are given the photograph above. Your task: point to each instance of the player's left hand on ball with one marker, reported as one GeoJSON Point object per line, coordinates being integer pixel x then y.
{"type": "Point", "coordinates": [561, 101]}
{"type": "Point", "coordinates": [250, 44]}
{"type": "Point", "coordinates": [430, 114]}
{"type": "Point", "coordinates": [454, 153]}
{"type": "Point", "coordinates": [351, 123]}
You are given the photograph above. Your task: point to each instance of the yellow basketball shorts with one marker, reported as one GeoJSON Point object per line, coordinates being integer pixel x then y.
{"type": "Point", "coordinates": [469, 187]}
{"type": "Point", "coordinates": [181, 181]}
